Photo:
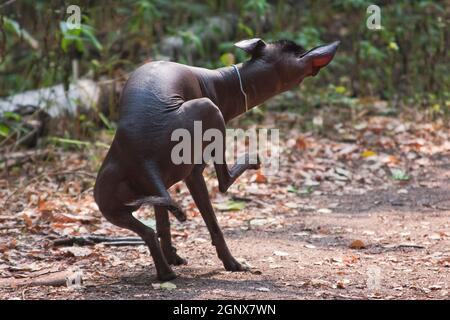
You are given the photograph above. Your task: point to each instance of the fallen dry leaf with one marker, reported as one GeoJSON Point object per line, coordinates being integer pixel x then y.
{"type": "Point", "coordinates": [260, 178]}
{"type": "Point", "coordinates": [77, 251]}
{"type": "Point", "coordinates": [357, 244]}
{"type": "Point", "coordinates": [341, 284]}
{"type": "Point", "coordinates": [368, 153]}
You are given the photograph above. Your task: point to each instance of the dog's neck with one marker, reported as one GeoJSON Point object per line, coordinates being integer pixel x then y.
{"type": "Point", "coordinates": [260, 81]}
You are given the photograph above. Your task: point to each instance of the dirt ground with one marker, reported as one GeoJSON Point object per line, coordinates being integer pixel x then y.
{"type": "Point", "coordinates": [358, 234]}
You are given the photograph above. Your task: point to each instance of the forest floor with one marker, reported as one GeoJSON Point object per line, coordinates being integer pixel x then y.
{"type": "Point", "coordinates": [359, 211]}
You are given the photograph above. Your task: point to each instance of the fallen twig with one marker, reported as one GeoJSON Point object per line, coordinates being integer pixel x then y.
{"type": "Point", "coordinates": [245, 199]}
{"type": "Point", "coordinates": [124, 243]}
{"type": "Point", "coordinates": [403, 245]}
{"type": "Point", "coordinates": [60, 278]}
{"type": "Point", "coordinates": [435, 206]}
{"type": "Point", "coordinates": [91, 240]}
{"type": "Point", "coordinates": [414, 246]}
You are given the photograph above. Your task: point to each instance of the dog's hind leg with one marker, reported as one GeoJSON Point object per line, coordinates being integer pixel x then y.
{"type": "Point", "coordinates": [124, 219]}
{"type": "Point", "coordinates": [163, 231]}
{"type": "Point", "coordinates": [151, 182]}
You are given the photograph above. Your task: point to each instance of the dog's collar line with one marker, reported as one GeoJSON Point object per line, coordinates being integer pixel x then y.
{"type": "Point", "coordinates": [240, 84]}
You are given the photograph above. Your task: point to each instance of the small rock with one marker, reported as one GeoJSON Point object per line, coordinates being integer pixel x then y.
{"type": "Point", "coordinates": [281, 253]}
{"type": "Point", "coordinates": [435, 236]}
{"type": "Point", "coordinates": [340, 285]}
{"type": "Point", "coordinates": [258, 222]}
{"type": "Point", "coordinates": [301, 234]}
{"type": "Point", "coordinates": [156, 286]}
{"type": "Point", "coordinates": [291, 205]}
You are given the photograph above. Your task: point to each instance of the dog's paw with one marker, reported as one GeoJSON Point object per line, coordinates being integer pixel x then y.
{"type": "Point", "coordinates": [233, 265]}
{"type": "Point", "coordinates": [175, 260]}
{"type": "Point", "coordinates": [178, 212]}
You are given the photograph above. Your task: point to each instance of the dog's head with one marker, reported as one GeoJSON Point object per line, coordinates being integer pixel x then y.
{"type": "Point", "coordinates": [291, 62]}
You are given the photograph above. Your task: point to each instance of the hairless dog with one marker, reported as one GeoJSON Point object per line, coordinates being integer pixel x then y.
{"type": "Point", "coordinates": [160, 97]}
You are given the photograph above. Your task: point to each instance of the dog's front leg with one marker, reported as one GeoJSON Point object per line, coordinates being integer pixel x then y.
{"type": "Point", "coordinates": [197, 187]}
{"type": "Point", "coordinates": [226, 176]}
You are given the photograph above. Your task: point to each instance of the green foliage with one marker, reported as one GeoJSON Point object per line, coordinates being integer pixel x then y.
{"type": "Point", "coordinates": [259, 7]}
{"type": "Point", "coordinates": [13, 27]}
{"type": "Point", "coordinates": [78, 37]}
{"type": "Point", "coordinates": [406, 60]}
{"type": "Point", "coordinates": [8, 115]}
{"type": "Point", "coordinates": [4, 130]}
{"type": "Point", "coordinates": [399, 175]}
{"type": "Point", "coordinates": [230, 205]}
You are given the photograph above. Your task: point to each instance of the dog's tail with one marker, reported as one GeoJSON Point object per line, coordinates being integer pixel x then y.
{"type": "Point", "coordinates": [171, 205]}
{"type": "Point", "coordinates": [151, 201]}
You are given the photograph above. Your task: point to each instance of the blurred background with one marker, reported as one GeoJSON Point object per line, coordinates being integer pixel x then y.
{"type": "Point", "coordinates": [364, 149]}
{"type": "Point", "coordinates": [404, 65]}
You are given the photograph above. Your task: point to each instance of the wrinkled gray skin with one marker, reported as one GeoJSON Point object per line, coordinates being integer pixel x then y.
{"type": "Point", "coordinates": [160, 97]}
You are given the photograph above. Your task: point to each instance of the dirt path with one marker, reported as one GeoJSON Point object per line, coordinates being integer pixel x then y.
{"type": "Point", "coordinates": [308, 257]}
{"type": "Point", "coordinates": [298, 255]}
{"type": "Point", "coordinates": [359, 234]}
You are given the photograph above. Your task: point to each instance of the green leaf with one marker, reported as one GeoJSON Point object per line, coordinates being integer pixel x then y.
{"type": "Point", "coordinates": [102, 145]}
{"type": "Point", "coordinates": [292, 189]}
{"type": "Point", "coordinates": [245, 29]}
{"type": "Point", "coordinates": [168, 286]}
{"type": "Point", "coordinates": [70, 141]}
{"type": "Point", "coordinates": [4, 130]}
{"type": "Point", "coordinates": [398, 174]}
{"type": "Point", "coordinates": [78, 36]}
{"type": "Point", "coordinates": [105, 121]}
{"type": "Point", "coordinates": [14, 27]}
{"type": "Point", "coordinates": [227, 59]}
{"type": "Point", "coordinates": [230, 206]}
{"type": "Point", "coordinates": [12, 116]}
{"type": "Point", "coordinates": [307, 190]}
{"type": "Point", "coordinates": [191, 38]}
{"type": "Point", "coordinates": [88, 32]}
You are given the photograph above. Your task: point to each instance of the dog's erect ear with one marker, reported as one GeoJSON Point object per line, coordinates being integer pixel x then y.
{"type": "Point", "coordinates": [320, 56]}
{"type": "Point", "coordinates": [251, 45]}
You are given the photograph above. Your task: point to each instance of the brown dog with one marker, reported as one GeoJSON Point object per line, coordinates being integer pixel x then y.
{"type": "Point", "coordinates": [160, 97]}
